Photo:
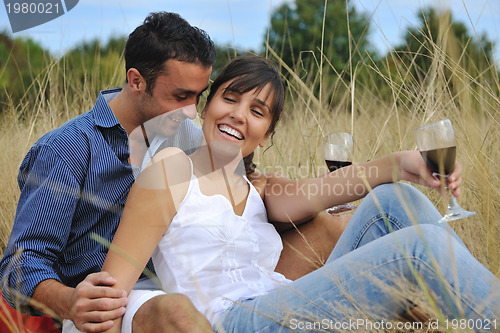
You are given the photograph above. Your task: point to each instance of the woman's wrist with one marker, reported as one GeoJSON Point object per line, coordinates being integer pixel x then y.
{"type": "Point", "coordinates": [396, 162]}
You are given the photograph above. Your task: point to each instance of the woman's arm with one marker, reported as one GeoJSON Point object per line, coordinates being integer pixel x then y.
{"type": "Point", "coordinates": [150, 207]}
{"type": "Point", "coordinates": [291, 200]}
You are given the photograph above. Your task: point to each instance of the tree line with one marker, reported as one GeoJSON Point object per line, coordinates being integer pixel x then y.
{"type": "Point", "coordinates": [325, 46]}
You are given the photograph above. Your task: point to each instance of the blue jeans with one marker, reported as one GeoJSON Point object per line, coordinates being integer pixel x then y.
{"type": "Point", "coordinates": [392, 255]}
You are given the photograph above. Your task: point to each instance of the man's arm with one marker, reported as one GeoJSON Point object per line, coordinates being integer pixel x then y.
{"type": "Point", "coordinates": [307, 246]}
{"type": "Point", "coordinates": [49, 196]}
{"type": "Point", "coordinates": [92, 305]}
{"type": "Point", "coordinates": [41, 226]}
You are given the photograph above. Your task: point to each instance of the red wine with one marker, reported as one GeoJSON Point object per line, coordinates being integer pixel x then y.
{"type": "Point", "coordinates": [444, 157]}
{"type": "Point", "coordinates": [334, 165]}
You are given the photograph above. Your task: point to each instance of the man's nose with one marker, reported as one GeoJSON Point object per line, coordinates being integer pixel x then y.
{"type": "Point", "coordinates": [189, 111]}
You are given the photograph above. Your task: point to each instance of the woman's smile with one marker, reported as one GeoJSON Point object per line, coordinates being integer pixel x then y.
{"type": "Point", "coordinates": [232, 132]}
{"type": "Point", "coordinates": [240, 118]}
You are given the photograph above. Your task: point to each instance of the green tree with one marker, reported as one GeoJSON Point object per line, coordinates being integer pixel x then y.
{"type": "Point", "coordinates": [296, 32]}
{"type": "Point", "coordinates": [21, 61]}
{"type": "Point", "coordinates": [438, 60]}
{"type": "Point", "coordinates": [95, 64]}
{"type": "Point", "coordinates": [439, 36]}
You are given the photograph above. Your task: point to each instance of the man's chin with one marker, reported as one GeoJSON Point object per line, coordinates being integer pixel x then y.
{"type": "Point", "coordinates": [171, 131]}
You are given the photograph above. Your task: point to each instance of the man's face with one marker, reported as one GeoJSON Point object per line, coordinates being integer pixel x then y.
{"type": "Point", "coordinates": [174, 97]}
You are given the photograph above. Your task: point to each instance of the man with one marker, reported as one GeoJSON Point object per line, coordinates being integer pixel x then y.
{"type": "Point", "coordinates": [74, 182]}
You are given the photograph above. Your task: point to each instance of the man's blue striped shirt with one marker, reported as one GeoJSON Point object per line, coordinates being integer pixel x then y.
{"type": "Point", "coordinates": [74, 183]}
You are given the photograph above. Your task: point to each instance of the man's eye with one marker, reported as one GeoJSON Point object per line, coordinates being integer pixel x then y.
{"type": "Point", "coordinates": [180, 98]}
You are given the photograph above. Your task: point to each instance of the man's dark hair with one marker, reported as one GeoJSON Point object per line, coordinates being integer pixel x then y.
{"type": "Point", "coordinates": [165, 36]}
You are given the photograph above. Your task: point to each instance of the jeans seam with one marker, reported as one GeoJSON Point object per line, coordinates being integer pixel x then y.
{"type": "Point", "coordinates": [461, 296]}
{"type": "Point", "coordinates": [419, 265]}
{"type": "Point", "coordinates": [393, 222]}
{"type": "Point", "coordinates": [321, 297]}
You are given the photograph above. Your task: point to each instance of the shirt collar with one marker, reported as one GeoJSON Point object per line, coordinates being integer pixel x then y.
{"type": "Point", "coordinates": [103, 115]}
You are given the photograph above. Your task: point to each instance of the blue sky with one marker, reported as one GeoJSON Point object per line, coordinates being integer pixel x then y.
{"type": "Point", "coordinates": [242, 23]}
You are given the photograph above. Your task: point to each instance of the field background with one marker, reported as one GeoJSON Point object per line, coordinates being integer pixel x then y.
{"type": "Point", "coordinates": [378, 128]}
{"type": "Point", "coordinates": [380, 105]}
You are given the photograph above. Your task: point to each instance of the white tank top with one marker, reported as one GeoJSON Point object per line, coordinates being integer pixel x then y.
{"type": "Point", "coordinates": [216, 257]}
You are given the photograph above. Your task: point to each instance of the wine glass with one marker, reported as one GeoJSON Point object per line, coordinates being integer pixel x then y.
{"type": "Point", "coordinates": [437, 146]}
{"type": "Point", "coordinates": [338, 148]}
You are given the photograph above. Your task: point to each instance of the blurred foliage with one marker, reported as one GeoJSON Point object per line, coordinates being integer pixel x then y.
{"type": "Point", "coordinates": [298, 30]}
{"type": "Point", "coordinates": [437, 33]}
{"type": "Point", "coordinates": [321, 42]}
{"type": "Point", "coordinates": [436, 55]}
{"type": "Point", "coordinates": [20, 61]}
{"type": "Point", "coordinates": [95, 64]}
{"type": "Point", "coordinates": [27, 71]}
{"type": "Point", "coordinates": [224, 54]}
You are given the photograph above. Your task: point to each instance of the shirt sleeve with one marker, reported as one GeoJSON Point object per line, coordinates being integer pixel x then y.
{"type": "Point", "coordinates": [49, 197]}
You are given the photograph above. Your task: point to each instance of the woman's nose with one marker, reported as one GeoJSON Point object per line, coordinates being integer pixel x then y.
{"type": "Point", "coordinates": [238, 113]}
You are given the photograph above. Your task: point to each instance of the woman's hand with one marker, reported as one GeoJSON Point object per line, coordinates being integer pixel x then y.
{"type": "Point", "coordinates": [413, 168]}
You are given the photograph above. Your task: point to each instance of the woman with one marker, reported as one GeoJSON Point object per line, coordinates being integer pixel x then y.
{"type": "Point", "coordinates": [205, 226]}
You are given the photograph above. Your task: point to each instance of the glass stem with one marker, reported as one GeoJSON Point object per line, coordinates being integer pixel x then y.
{"type": "Point", "coordinates": [452, 201]}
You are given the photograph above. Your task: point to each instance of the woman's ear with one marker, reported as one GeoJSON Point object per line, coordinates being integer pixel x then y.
{"type": "Point", "coordinates": [135, 81]}
{"type": "Point", "coordinates": [203, 113]}
{"type": "Point", "coordinates": [262, 142]}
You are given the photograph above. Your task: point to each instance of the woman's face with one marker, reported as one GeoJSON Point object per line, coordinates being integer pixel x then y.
{"type": "Point", "coordinates": [239, 118]}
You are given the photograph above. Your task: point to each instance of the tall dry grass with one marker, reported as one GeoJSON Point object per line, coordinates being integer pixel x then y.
{"type": "Point", "coordinates": [54, 96]}
{"type": "Point", "coordinates": [381, 125]}
{"type": "Point", "coordinates": [381, 120]}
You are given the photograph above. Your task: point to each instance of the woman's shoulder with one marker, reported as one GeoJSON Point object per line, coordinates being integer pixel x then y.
{"type": "Point", "coordinates": [169, 166]}
{"type": "Point", "coordinates": [172, 154]}
{"type": "Point", "coordinates": [260, 180]}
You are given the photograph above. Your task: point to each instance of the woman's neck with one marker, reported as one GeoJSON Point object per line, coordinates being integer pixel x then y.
{"type": "Point", "coordinates": [221, 175]}
{"type": "Point", "coordinates": [210, 158]}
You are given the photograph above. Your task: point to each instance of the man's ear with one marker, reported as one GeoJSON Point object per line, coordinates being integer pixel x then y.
{"type": "Point", "coordinates": [135, 81]}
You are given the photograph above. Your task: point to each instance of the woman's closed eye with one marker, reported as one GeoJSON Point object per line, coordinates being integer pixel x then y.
{"type": "Point", "coordinates": [229, 99]}
{"type": "Point", "coordinates": [257, 112]}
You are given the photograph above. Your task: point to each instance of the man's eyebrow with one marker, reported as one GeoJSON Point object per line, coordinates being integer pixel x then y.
{"type": "Point", "coordinates": [188, 92]}
{"type": "Point", "coordinates": [184, 91]}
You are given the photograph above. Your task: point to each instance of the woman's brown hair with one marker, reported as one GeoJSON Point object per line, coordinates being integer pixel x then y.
{"type": "Point", "coordinates": [253, 73]}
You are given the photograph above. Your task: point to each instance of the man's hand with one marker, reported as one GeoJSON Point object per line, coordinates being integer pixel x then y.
{"type": "Point", "coordinates": [94, 304]}
{"type": "Point", "coordinates": [170, 313]}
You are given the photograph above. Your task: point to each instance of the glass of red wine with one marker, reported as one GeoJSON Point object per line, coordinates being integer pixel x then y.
{"type": "Point", "coordinates": [338, 147]}
{"type": "Point", "coordinates": [438, 147]}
